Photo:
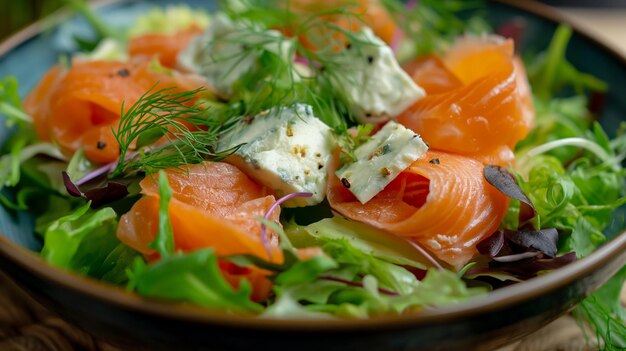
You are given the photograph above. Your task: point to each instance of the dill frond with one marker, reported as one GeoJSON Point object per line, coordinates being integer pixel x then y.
{"type": "Point", "coordinates": [166, 128]}
{"type": "Point", "coordinates": [301, 74]}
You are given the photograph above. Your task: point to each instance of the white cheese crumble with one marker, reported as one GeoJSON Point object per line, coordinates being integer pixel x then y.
{"type": "Point", "coordinates": [373, 81]}
{"type": "Point", "coordinates": [227, 50]}
{"type": "Point", "coordinates": [380, 160]}
{"type": "Point", "coordinates": [286, 149]}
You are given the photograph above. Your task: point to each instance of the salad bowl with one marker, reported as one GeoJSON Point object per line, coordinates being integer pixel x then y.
{"type": "Point", "coordinates": [482, 323]}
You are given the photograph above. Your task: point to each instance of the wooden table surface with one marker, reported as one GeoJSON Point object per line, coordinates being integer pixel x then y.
{"type": "Point", "coordinates": [27, 326]}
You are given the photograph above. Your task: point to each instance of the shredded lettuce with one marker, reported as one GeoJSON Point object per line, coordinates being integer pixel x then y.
{"type": "Point", "coordinates": [332, 298]}
{"type": "Point", "coordinates": [359, 277]}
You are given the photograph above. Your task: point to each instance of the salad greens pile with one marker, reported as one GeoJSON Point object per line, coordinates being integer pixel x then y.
{"type": "Point", "coordinates": [567, 186]}
{"type": "Point", "coordinates": [573, 173]}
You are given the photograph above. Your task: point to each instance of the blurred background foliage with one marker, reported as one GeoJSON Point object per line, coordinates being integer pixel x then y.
{"type": "Point", "coordinates": [16, 14]}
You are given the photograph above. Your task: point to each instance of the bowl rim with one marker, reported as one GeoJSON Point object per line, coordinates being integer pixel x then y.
{"type": "Point", "coordinates": [496, 300]}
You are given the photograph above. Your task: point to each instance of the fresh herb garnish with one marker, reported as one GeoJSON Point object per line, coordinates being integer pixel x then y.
{"type": "Point", "coordinates": [165, 129]}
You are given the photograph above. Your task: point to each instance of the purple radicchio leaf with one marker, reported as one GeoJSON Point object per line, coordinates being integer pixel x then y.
{"type": "Point", "coordinates": [99, 193]}
{"type": "Point", "coordinates": [492, 245]}
{"type": "Point", "coordinates": [505, 182]}
{"type": "Point", "coordinates": [111, 192]}
{"type": "Point", "coordinates": [518, 244]}
{"type": "Point", "coordinates": [521, 254]}
{"type": "Point", "coordinates": [71, 188]}
{"type": "Point", "coordinates": [544, 240]}
{"type": "Point", "coordinates": [524, 269]}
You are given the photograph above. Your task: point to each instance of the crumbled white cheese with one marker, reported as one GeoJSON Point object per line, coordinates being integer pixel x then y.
{"type": "Point", "coordinates": [373, 81]}
{"type": "Point", "coordinates": [286, 149]}
{"type": "Point", "coordinates": [380, 160]}
{"type": "Point", "coordinates": [227, 50]}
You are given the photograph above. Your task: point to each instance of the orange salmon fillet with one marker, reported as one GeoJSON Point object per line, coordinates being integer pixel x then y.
{"type": "Point", "coordinates": [430, 73]}
{"type": "Point", "coordinates": [213, 205]}
{"type": "Point", "coordinates": [164, 46]}
{"type": "Point", "coordinates": [80, 106]}
{"type": "Point", "coordinates": [492, 108]}
{"type": "Point", "coordinates": [369, 13]}
{"type": "Point", "coordinates": [446, 205]}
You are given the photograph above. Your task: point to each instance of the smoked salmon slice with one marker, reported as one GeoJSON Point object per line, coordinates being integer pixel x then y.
{"type": "Point", "coordinates": [78, 107]}
{"type": "Point", "coordinates": [164, 46]}
{"type": "Point", "coordinates": [492, 107]}
{"type": "Point", "coordinates": [430, 73]}
{"type": "Point", "coordinates": [369, 13]}
{"type": "Point", "coordinates": [213, 205]}
{"type": "Point", "coordinates": [499, 156]}
{"type": "Point", "coordinates": [441, 201]}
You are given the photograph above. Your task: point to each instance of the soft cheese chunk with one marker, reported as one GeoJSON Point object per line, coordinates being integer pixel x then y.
{"type": "Point", "coordinates": [286, 149]}
{"type": "Point", "coordinates": [227, 50]}
{"type": "Point", "coordinates": [380, 160]}
{"type": "Point", "coordinates": [373, 81]}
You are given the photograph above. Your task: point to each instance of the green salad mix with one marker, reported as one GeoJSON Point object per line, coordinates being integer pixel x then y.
{"type": "Point", "coordinates": [191, 188]}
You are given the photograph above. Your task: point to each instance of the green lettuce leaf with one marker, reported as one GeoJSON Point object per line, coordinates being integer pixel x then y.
{"type": "Point", "coordinates": [578, 182]}
{"type": "Point", "coordinates": [439, 287]}
{"type": "Point", "coordinates": [556, 119]}
{"type": "Point", "coordinates": [84, 241]}
{"type": "Point", "coordinates": [306, 271]}
{"type": "Point", "coordinates": [64, 236]}
{"type": "Point", "coordinates": [389, 275]}
{"type": "Point", "coordinates": [353, 282]}
{"type": "Point", "coordinates": [365, 238]}
{"type": "Point", "coordinates": [11, 104]}
{"type": "Point", "coordinates": [326, 299]}
{"type": "Point", "coordinates": [578, 201]}
{"type": "Point", "coordinates": [550, 72]}
{"type": "Point", "coordinates": [193, 277]}
{"type": "Point", "coordinates": [164, 241]}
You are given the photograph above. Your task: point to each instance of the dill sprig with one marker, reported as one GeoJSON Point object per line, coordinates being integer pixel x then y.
{"type": "Point", "coordinates": [301, 74]}
{"type": "Point", "coordinates": [167, 128]}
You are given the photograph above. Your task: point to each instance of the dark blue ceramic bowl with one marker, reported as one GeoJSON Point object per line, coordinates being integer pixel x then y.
{"type": "Point", "coordinates": [483, 323]}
